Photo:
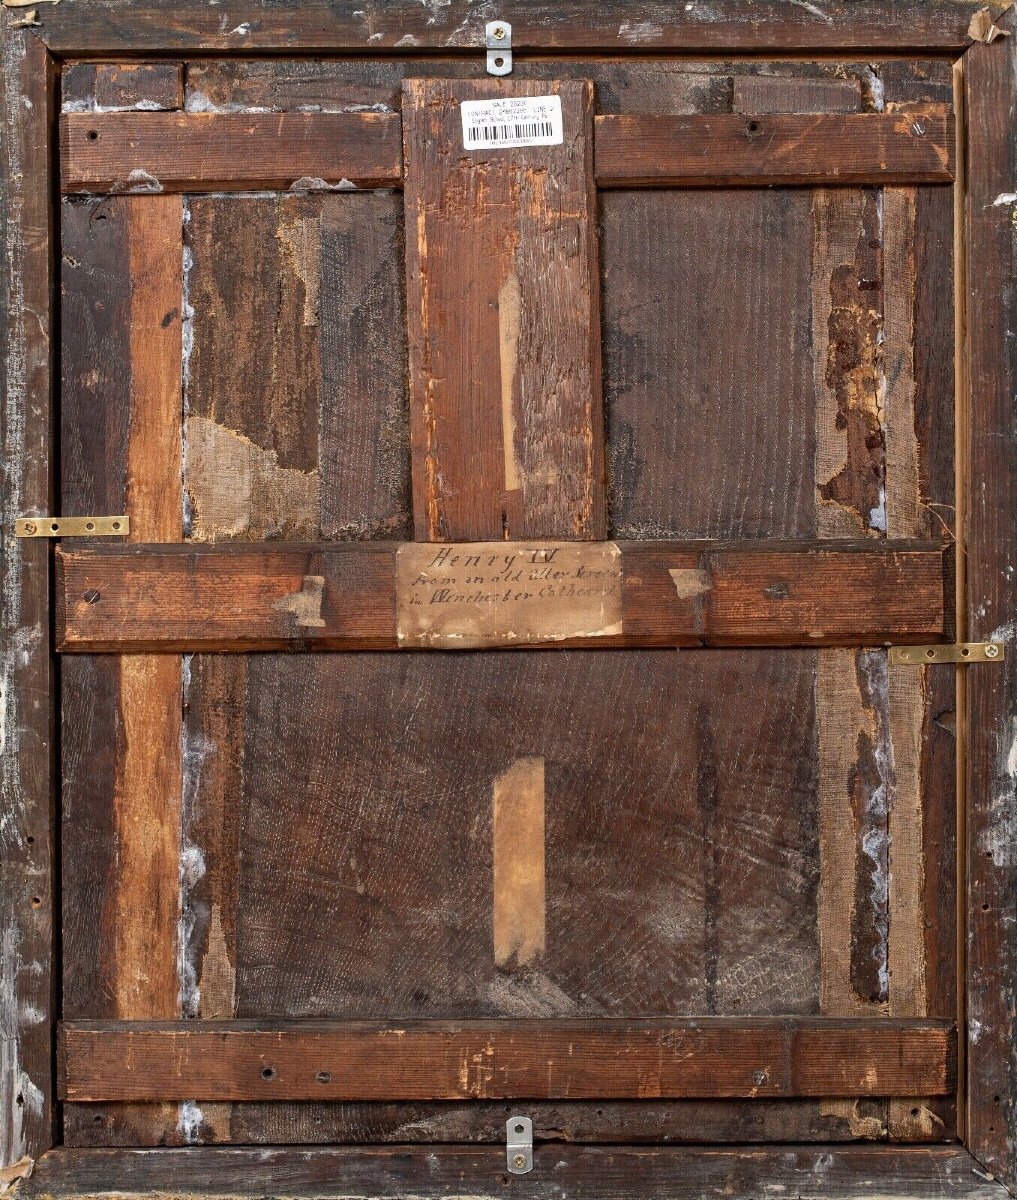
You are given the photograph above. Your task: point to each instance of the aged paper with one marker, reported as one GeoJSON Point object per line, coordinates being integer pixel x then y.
{"type": "Point", "coordinates": [472, 594]}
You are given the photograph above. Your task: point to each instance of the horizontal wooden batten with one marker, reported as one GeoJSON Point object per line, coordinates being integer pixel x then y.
{"type": "Point", "coordinates": [865, 1171]}
{"type": "Point", "coordinates": [138, 152]}
{"type": "Point", "coordinates": [440, 1060]}
{"type": "Point", "coordinates": [648, 150]}
{"type": "Point", "coordinates": [371, 595]}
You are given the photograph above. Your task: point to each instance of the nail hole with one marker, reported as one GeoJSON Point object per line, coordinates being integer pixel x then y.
{"type": "Point", "coordinates": [914, 1112]}
{"type": "Point", "coordinates": [985, 908]}
{"type": "Point", "coordinates": [753, 127]}
{"type": "Point", "coordinates": [36, 901]}
{"type": "Point", "coordinates": [268, 1073]}
{"type": "Point", "coordinates": [93, 135]}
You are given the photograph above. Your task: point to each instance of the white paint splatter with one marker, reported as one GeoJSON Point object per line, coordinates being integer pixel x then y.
{"type": "Point", "coordinates": [877, 515]}
{"type": "Point", "coordinates": [407, 40]}
{"type": "Point", "coordinates": [813, 9]}
{"type": "Point", "coordinates": [1004, 198]}
{"type": "Point", "coordinates": [641, 31]}
{"type": "Point", "coordinates": [189, 1122]}
{"type": "Point", "coordinates": [312, 183]}
{"type": "Point", "coordinates": [241, 30]}
{"type": "Point", "coordinates": [141, 182]}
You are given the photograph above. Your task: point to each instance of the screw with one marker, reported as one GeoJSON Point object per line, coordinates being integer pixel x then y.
{"type": "Point", "coordinates": [92, 596]}
{"type": "Point", "coordinates": [519, 1161]}
{"type": "Point", "coordinates": [992, 651]}
{"type": "Point", "coordinates": [30, 527]}
{"type": "Point", "coordinates": [918, 129]}
{"type": "Point", "coordinates": [498, 33]}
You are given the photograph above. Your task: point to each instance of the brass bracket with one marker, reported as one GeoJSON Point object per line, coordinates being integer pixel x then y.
{"type": "Point", "coordinates": [60, 527]}
{"type": "Point", "coordinates": [963, 652]}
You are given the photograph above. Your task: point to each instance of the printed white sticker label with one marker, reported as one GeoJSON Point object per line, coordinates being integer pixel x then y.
{"type": "Point", "coordinates": [520, 121]}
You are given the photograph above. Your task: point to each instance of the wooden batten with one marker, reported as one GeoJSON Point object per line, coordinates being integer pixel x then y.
{"type": "Point", "coordinates": [353, 596]}
{"type": "Point", "coordinates": [193, 152]}
{"type": "Point", "coordinates": [598, 1058]}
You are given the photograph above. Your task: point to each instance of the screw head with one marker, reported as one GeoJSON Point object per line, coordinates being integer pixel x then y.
{"type": "Point", "coordinates": [519, 1161]}
{"type": "Point", "coordinates": [30, 527]}
{"type": "Point", "coordinates": [498, 33]}
{"type": "Point", "coordinates": [918, 129]}
{"type": "Point", "coordinates": [91, 596]}
{"type": "Point", "coordinates": [992, 652]}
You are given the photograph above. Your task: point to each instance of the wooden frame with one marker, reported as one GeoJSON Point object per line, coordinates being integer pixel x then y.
{"type": "Point", "coordinates": [35, 43]}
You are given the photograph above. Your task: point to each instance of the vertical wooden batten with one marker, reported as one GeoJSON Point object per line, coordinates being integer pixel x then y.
{"type": "Point", "coordinates": [507, 439]}
{"type": "Point", "coordinates": [991, 605]}
{"type": "Point", "coordinates": [27, 835]}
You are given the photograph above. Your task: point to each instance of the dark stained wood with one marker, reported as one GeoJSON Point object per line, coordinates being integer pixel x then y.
{"type": "Point", "coordinates": [201, 151]}
{"type": "Point", "coordinates": [154, 151]}
{"type": "Point", "coordinates": [717, 151]}
{"type": "Point", "coordinates": [668, 332]}
{"type": "Point", "coordinates": [235, 598]}
{"type": "Point", "coordinates": [87, 86]}
{"type": "Point", "coordinates": [95, 426]}
{"type": "Point", "coordinates": [506, 414]}
{"type": "Point", "coordinates": [509, 1059]}
{"type": "Point", "coordinates": [990, 498]}
{"type": "Point", "coordinates": [364, 430]}
{"type": "Point", "coordinates": [603, 1122]}
{"type": "Point", "coordinates": [27, 715]}
{"type": "Point", "coordinates": [586, 1173]}
{"type": "Point", "coordinates": [104, 27]}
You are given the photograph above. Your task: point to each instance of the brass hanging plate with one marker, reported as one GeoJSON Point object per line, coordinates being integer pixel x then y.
{"type": "Point", "coordinates": [963, 652]}
{"type": "Point", "coordinates": [61, 527]}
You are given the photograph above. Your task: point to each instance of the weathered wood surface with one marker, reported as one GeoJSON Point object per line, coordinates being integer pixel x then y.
{"type": "Point", "coordinates": [310, 437]}
{"type": "Point", "coordinates": [990, 500]}
{"type": "Point", "coordinates": [347, 597]}
{"type": "Point", "coordinates": [128, 151]}
{"type": "Point", "coordinates": [598, 1059]}
{"type": "Point", "coordinates": [118, 87]}
{"type": "Point", "coordinates": [505, 399]}
{"type": "Point", "coordinates": [27, 719]}
{"type": "Point", "coordinates": [122, 308]}
{"type": "Point", "coordinates": [586, 1173]}
{"type": "Point", "coordinates": [611, 26]}
{"type": "Point", "coordinates": [442, 1122]}
{"type": "Point", "coordinates": [866, 148]}
{"type": "Point", "coordinates": [185, 152]}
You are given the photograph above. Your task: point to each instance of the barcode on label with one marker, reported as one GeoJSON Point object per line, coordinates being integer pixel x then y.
{"type": "Point", "coordinates": [519, 121]}
{"type": "Point", "coordinates": [504, 133]}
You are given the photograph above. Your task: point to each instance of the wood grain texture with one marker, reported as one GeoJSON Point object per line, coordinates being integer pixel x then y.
{"type": "Point", "coordinates": [106, 87]}
{"type": "Point", "coordinates": [373, 913]}
{"type": "Point", "coordinates": [27, 824]}
{"type": "Point", "coordinates": [157, 152]}
{"type": "Point", "coordinates": [991, 542]}
{"type": "Point", "coordinates": [506, 414]}
{"type": "Point", "coordinates": [102, 27]}
{"type": "Point", "coordinates": [724, 151]}
{"type": "Point", "coordinates": [668, 332]}
{"type": "Point", "coordinates": [443, 1122]}
{"type": "Point", "coordinates": [587, 1173]}
{"type": "Point", "coordinates": [509, 1059]}
{"type": "Point", "coordinates": [125, 151]}
{"type": "Point", "coordinates": [241, 597]}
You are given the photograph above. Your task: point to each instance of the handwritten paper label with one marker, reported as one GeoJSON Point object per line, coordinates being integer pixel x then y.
{"type": "Point", "coordinates": [471, 594]}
